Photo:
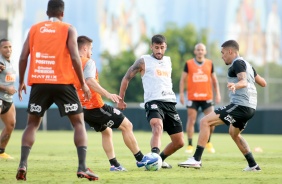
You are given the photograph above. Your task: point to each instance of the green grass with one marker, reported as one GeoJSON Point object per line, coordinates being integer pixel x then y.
{"type": "Point", "coordinates": [53, 160]}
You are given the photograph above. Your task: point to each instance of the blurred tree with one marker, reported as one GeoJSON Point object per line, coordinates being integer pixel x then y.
{"type": "Point", "coordinates": [114, 68]}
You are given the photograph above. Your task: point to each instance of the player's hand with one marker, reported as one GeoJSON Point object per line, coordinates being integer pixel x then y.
{"type": "Point", "coordinates": [114, 97]}
{"type": "Point", "coordinates": [21, 88]}
{"type": "Point", "coordinates": [231, 86]}
{"type": "Point", "coordinates": [121, 105]}
{"type": "Point", "coordinates": [87, 92]}
{"type": "Point", "coordinates": [10, 90]}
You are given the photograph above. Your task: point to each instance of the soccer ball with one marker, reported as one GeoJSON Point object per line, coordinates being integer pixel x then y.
{"type": "Point", "coordinates": [156, 165]}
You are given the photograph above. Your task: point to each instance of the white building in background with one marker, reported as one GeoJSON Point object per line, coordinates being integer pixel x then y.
{"type": "Point", "coordinates": [13, 12]}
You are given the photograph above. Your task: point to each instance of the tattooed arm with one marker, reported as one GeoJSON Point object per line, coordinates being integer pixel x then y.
{"type": "Point", "coordinates": [242, 83]}
{"type": "Point", "coordinates": [137, 67]}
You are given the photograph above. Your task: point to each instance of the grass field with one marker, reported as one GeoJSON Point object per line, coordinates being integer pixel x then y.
{"type": "Point", "coordinates": [53, 160]}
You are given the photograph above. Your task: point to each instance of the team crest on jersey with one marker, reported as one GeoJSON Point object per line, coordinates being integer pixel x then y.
{"type": "Point", "coordinates": [70, 107]}
{"type": "Point", "coordinates": [35, 108]}
{"type": "Point", "coordinates": [110, 123]}
{"type": "Point", "coordinates": [154, 106]}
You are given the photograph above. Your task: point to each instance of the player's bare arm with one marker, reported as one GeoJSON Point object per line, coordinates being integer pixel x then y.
{"type": "Point", "coordinates": [94, 85]}
{"type": "Point", "coordinates": [22, 67]}
{"type": "Point", "coordinates": [182, 86]}
{"type": "Point", "coordinates": [137, 67]}
{"type": "Point", "coordinates": [216, 88]}
{"type": "Point", "coordinates": [242, 83]}
{"type": "Point", "coordinates": [260, 80]}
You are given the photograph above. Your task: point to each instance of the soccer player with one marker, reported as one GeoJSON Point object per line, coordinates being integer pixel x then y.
{"type": "Point", "coordinates": [102, 117]}
{"type": "Point", "coordinates": [7, 90]}
{"type": "Point", "coordinates": [200, 81]}
{"type": "Point", "coordinates": [53, 54]}
{"type": "Point", "coordinates": [159, 98]}
{"type": "Point", "coordinates": [243, 97]}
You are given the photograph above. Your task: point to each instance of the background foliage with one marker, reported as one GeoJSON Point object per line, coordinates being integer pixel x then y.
{"type": "Point", "coordinates": [181, 42]}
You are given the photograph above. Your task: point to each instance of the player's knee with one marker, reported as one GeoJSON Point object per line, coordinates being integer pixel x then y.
{"type": "Point", "coordinates": [126, 125]}
{"type": "Point", "coordinates": [11, 125]}
{"type": "Point", "coordinates": [180, 143]}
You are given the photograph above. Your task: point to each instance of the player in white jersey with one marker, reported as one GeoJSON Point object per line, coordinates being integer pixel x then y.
{"type": "Point", "coordinates": [243, 97]}
{"type": "Point", "coordinates": [7, 90]}
{"type": "Point", "coordinates": [159, 98]}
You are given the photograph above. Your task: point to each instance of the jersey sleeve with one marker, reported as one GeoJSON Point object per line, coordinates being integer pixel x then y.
{"type": "Point", "coordinates": [255, 72]}
{"type": "Point", "coordinates": [89, 69]}
{"type": "Point", "coordinates": [185, 68]}
{"type": "Point", "coordinates": [239, 66]}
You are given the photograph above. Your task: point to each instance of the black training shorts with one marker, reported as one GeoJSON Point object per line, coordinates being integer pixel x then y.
{"type": "Point", "coordinates": [167, 112]}
{"type": "Point", "coordinates": [42, 96]}
{"type": "Point", "coordinates": [5, 106]}
{"type": "Point", "coordinates": [101, 118]}
{"type": "Point", "coordinates": [236, 115]}
{"type": "Point", "coordinates": [197, 104]}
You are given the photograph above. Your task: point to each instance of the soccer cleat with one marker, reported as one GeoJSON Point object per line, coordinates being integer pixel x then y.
{"type": "Point", "coordinates": [189, 149]}
{"type": "Point", "coordinates": [210, 148]}
{"type": "Point", "coordinates": [166, 165]}
{"type": "Point", "coordinates": [252, 169]}
{"type": "Point", "coordinates": [119, 168]}
{"type": "Point", "coordinates": [191, 163]}
{"type": "Point", "coordinates": [88, 174]}
{"type": "Point", "coordinates": [5, 156]}
{"type": "Point", "coordinates": [146, 160]}
{"type": "Point", "coordinates": [21, 173]}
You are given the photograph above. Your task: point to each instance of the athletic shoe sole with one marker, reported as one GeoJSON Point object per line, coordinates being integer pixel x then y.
{"type": "Point", "coordinates": [190, 166]}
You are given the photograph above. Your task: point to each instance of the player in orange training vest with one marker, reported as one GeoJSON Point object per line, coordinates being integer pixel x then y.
{"type": "Point", "coordinates": [200, 82]}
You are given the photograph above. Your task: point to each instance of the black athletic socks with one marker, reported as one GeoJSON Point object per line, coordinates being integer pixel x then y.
{"type": "Point", "coordinates": [198, 153]}
{"type": "Point", "coordinates": [250, 159]}
{"type": "Point", "coordinates": [114, 162]}
{"type": "Point", "coordinates": [155, 150]}
{"type": "Point", "coordinates": [25, 150]}
{"type": "Point", "coordinates": [163, 156]}
{"type": "Point", "coordinates": [190, 142]}
{"type": "Point", "coordinates": [139, 156]}
{"type": "Point", "coordinates": [2, 150]}
{"type": "Point", "coordinates": [81, 152]}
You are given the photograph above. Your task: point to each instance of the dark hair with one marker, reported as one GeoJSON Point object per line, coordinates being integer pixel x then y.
{"type": "Point", "coordinates": [231, 43]}
{"type": "Point", "coordinates": [55, 8]}
{"type": "Point", "coordinates": [3, 40]}
{"type": "Point", "coordinates": [158, 39]}
{"type": "Point", "coordinates": [82, 40]}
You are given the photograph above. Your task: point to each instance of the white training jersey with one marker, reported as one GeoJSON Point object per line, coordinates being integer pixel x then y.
{"type": "Point", "coordinates": [157, 83]}
{"type": "Point", "coordinates": [7, 78]}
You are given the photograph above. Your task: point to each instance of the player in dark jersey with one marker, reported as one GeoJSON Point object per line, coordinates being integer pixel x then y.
{"type": "Point", "coordinates": [243, 97]}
